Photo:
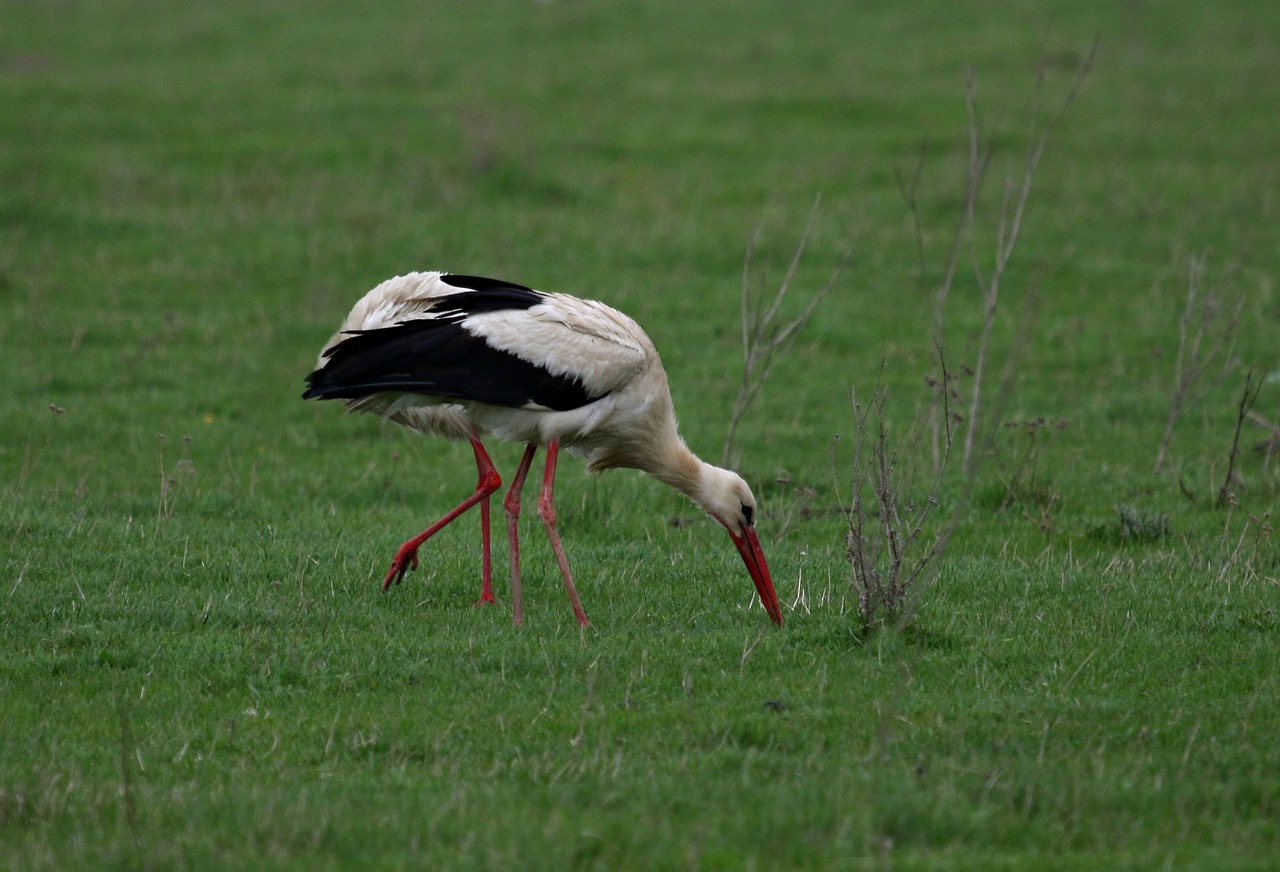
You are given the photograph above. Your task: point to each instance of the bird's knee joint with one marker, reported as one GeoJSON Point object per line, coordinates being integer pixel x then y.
{"type": "Point", "coordinates": [547, 513]}
{"type": "Point", "coordinates": [512, 506]}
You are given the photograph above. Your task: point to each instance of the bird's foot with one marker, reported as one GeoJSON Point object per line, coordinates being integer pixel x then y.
{"type": "Point", "coordinates": [486, 599]}
{"type": "Point", "coordinates": [406, 558]}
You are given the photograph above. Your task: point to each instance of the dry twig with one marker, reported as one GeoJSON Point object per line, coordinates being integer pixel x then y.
{"type": "Point", "coordinates": [1009, 225]}
{"type": "Point", "coordinates": [1008, 228]}
{"type": "Point", "coordinates": [1205, 339]}
{"type": "Point", "coordinates": [764, 342]}
{"type": "Point", "coordinates": [887, 544]}
{"type": "Point", "coordinates": [1226, 493]}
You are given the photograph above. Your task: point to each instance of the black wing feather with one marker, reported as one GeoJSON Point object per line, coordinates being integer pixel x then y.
{"type": "Point", "coordinates": [491, 294]}
{"type": "Point", "coordinates": [437, 357]}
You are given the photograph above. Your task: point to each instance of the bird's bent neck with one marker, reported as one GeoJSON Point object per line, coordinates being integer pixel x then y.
{"type": "Point", "coordinates": [681, 469]}
{"type": "Point", "coordinates": [701, 482]}
{"type": "Point", "coordinates": [665, 458]}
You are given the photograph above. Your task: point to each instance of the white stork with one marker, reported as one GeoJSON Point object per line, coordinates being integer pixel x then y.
{"type": "Point", "coordinates": [465, 357]}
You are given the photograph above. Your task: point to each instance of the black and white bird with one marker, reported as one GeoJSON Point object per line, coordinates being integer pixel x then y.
{"type": "Point", "coordinates": [467, 357]}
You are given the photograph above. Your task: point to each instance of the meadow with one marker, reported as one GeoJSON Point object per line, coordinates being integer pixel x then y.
{"type": "Point", "coordinates": [197, 667]}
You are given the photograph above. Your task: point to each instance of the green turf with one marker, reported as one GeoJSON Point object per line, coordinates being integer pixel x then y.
{"type": "Point", "coordinates": [198, 670]}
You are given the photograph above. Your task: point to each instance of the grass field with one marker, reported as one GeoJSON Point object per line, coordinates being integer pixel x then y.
{"type": "Point", "coordinates": [198, 669]}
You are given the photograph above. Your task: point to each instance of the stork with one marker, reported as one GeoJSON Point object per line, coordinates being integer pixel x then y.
{"type": "Point", "coordinates": [466, 357]}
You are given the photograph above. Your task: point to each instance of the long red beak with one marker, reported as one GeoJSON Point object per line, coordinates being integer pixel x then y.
{"type": "Point", "coordinates": [753, 555]}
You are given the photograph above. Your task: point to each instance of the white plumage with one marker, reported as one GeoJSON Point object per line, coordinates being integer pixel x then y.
{"type": "Point", "coordinates": [467, 357]}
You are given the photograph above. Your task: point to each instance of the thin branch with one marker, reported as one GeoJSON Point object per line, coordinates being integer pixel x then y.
{"type": "Point", "coordinates": [910, 194]}
{"type": "Point", "coordinates": [1200, 319]}
{"type": "Point", "coordinates": [1226, 493]}
{"type": "Point", "coordinates": [979, 161]}
{"type": "Point", "coordinates": [1009, 227]}
{"type": "Point", "coordinates": [765, 343]}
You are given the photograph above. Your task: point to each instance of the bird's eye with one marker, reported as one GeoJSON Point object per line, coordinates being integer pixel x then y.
{"type": "Point", "coordinates": [748, 514]}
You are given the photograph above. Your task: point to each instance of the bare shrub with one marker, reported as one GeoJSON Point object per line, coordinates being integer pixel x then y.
{"type": "Point", "coordinates": [1206, 337]}
{"type": "Point", "coordinates": [1024, 482]}
{"type": "Point", "coordinates": [1013, 202]}
{"type": "Point", "coordinates": [989, 270]}
{"type": "Point", "coordinates": [890, 541]}
{"type": "Point", "coordinates": [1268, 448]}
{"type": "Point", "coordinates": [172, 478]}
{"type": "Point", "coordinates": [1230, 483]}
{"type": "Point", "coordinates": [765, 341]}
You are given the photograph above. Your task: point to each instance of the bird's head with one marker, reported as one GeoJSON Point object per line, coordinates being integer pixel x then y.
{"type": "Point", "coordinates": [728, 499]}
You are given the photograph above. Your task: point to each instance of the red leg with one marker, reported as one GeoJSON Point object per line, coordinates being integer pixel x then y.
{"type": "Point", "coordinates": [407, 557]}
{"type": "Point", "coordinates": [486, 558]}
{"type": "Point", "coordinates": [512, 505]}
{"type": "Point", "coordinates": [547, 512]}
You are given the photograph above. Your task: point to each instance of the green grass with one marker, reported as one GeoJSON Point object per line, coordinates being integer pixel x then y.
{"type": "Point", "coordinates": [198, 670]}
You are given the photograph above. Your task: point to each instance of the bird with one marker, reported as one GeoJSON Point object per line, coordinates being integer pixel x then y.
{"type": "Point", "coordinates": [466, 357]}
